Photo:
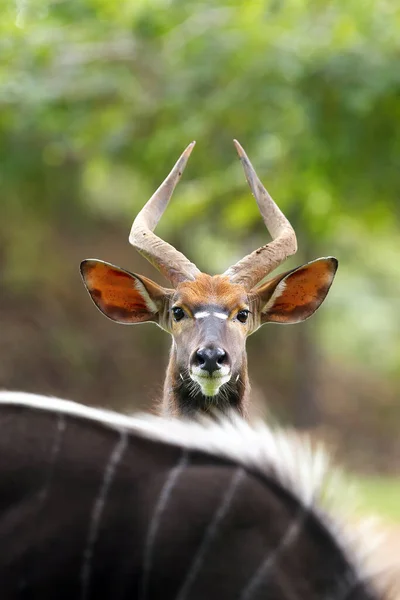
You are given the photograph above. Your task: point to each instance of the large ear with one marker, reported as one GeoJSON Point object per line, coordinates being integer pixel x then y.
{"type": "Point", "coordinates": [294, 296]}
{"type": "Point", "coordinates": [122, 296]}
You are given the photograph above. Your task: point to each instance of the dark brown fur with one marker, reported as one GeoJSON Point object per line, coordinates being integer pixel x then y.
{"type": "Point", "coordinates": [80, 521]}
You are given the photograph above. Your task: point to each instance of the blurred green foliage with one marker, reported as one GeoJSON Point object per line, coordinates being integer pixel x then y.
{"type": "Point", "coordinates": [98, 99]}
{"type": "Point", "coordinates": [380, 495]}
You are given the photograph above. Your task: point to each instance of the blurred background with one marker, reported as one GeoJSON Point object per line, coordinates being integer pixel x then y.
{"type": "Point", "coordinates": [97, 101]}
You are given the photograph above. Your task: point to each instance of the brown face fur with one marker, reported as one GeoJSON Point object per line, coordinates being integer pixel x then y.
{"type": "Point", "coordinates": [208, 289]}
{"type": "Point", "coordinates": [209, 324]}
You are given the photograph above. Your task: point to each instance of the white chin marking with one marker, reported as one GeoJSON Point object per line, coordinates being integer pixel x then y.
{"type": "Point", "coordinates": [210, 386]}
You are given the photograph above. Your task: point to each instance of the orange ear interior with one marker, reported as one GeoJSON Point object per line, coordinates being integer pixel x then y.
{"type": "Point", "coordinates": [120, 295]}
{"type": "Point", "coordinates": [298, 295]}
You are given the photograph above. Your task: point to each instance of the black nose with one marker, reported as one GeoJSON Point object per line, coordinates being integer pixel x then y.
{"type": "Point", "coordinates": [210, 359]}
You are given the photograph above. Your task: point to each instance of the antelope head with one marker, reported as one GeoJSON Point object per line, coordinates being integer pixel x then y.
{"type": "Point", "coordinates": [209, 317]}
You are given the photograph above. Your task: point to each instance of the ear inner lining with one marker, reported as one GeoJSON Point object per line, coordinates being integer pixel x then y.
{"type": "Point", "coordinates": [296, 295]}
{"type": "Point", "coordinates": [121, 296]}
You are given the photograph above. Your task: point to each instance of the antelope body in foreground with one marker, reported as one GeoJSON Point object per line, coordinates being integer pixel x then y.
{"type": "Point", "coordinates": [98, 505]}
{"type": "Point", "coordinates": [209, 317]}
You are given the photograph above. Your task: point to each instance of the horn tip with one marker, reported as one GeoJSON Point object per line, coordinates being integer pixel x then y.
{"type": "Point", "coordinates": [239, 149]}
{"type": "Point", "coordinates": [189, 149]}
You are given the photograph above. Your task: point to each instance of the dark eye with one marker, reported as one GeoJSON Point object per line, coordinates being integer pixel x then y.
{"type": "Point", "coordinates": [178, 313]}
{"type": "Point", "coordinates": [242, 315]}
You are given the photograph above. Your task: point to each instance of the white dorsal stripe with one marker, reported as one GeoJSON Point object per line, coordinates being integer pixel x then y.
{"type": "Point", "coordinates": [204, 313]}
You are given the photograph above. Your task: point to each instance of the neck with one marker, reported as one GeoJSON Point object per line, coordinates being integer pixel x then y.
{"type": "Point", "coordinates": [183, 397]}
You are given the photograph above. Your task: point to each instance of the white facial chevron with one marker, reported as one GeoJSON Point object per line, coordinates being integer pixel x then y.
{"type": "Point", "coordinates": [203, 314]}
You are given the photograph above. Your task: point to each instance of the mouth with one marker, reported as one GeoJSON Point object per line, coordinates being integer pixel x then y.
{"type": "Point", "coordinates": [210, 384]}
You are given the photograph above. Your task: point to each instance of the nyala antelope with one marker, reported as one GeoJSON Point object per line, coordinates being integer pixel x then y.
{"type": "Point", "coordinates": [209, 317]}
{"type": "Point", "coordinates": [98, 505]}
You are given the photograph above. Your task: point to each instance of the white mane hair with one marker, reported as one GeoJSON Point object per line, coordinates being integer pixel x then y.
{"type": "Point", "coordinates": [301, 467]}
